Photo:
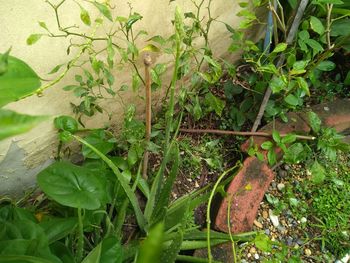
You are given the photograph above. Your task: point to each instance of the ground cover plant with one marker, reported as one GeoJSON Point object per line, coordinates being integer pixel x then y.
{"type": "Point", "coordinates": [110, 207]}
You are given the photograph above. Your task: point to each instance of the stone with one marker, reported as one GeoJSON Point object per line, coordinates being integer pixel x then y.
{"type": "Point", "coordinates": [245, 192]}
{"type": "Point", "coordinates": [274, 219]}
{"type": "Point", "coordinates": [307, 252]}
{"type": "Point", "coordinates": [303, 220]}
{"type": "Point", "coordinates": [267, 231]}
{"type": "Point", "coordinates": [280, 186]}
{"type": "Point", "coordinates": [265, 214]}
{"type": "Point", "coordinates": [256, 256]}
{"type": "Point", "coordinates": [252, 250]}
{"type": "Point", "coordinates": [258, 224]}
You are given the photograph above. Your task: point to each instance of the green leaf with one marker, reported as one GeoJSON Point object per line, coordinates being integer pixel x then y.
{"type": "Point", "coordinates": [18, 81]}
{"type": "Point", "coordinates": [271, 157]}
{"type": "Point", "coordinates": [43, 25]}
{"type": "Point", "coordinates": [326, 66]}
{"type": "Point", "coordinates": [316, 25]}
{"type": "Point", "coordinates": [66, 123]}
{"type": "Point", "coordinates": [295, 153]}
{"type": "Point", "coordinates": [131, 20]}
{"type": "Point", "coordinates": [84, 16]}
{"type": "Point", "coordinates": [33, 38]}
{"type": "Point", "coordinates": [214, 103]}
{"type": "Point", "coordinates": [291, 100]}
{"type": "Point", "coordinates": [267, 145]}
{"type": "Point", "coordinates": [72, 186]}
{"type": "Point", "coordinates": [314, 45]}
{"type": "Point", "coordinates": [340, 27]}
{"type": "Point", "coordinates": [104, 10]}
{"type": "Point", "coordinates": [277, 84]}
{"type": "Point", "coordinates": [4, 62]}
{"type": "Point", "coordinates": [58, 228]}
{"type": "Point", "coordinates": [22, 259]}
{"type": "Point", "coordinates": [280, 48]}
{"type": "Point", "coordinates": [263, 242]}
{"type": "Point", "coordinates": [289, 138]}
{"type": "Point", "coordinates": [276, 136]}
{"type": "Point", "coordinates": [318, 173]}
{"type": "Point", "coordinates": [151, 247]}
{"type": "Point", "coordinates": [108, 251]}
{"type": "Point", "coordinates": [303, 85]}
{"type": "Point", "coordinates": [13, 123]}
{"type": "Point", "coordinates": [314, 121]}
{"type": "Point", "coordinates": [100, 140]}
{"type": "Point", "coordinates": [55, 69]}
{"type": "Point", "coordinates": [150, 47]}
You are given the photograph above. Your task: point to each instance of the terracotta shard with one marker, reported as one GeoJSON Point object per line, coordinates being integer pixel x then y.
{"type": "Point", "coordinates": [245, 193]}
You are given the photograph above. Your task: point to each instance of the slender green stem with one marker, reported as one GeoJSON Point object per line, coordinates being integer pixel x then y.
{"type": "Point", "coordinates": [229, 229]}
{"type": "Point", "coordinates": [80, 249]}
{"type": "Point", "coordinates": [210, 257]}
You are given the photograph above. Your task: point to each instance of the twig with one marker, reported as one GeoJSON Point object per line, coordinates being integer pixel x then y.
{"type": "Point", "coordinates": [147, 61]}
{"type": "Point", "coordinates": [292, 32]}
{"type": "Point", "coordinates": [223, 132]}
{"type": "Point", "coordinates": [329, 22]}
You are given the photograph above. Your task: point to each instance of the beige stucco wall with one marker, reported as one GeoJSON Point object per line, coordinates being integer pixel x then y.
{"type": "Point", "coordinates": [21, 157]}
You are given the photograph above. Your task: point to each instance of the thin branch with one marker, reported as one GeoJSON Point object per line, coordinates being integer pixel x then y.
{"type": "Point", "coordinates": [239, 133]}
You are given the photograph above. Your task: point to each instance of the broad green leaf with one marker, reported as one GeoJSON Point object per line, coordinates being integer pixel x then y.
{"type": "Point", "coordinates": [151, 247]}
{"type": "Point", "coordinates": [108, 251]}
{"type": "Point", "coordinates": [316, 25]}
{"type": "Point", "coordinates": [347, 78]}
{"type": "Point", "coordinates": [289, 138]}
{"type": "Point", "coordinates": [314, 45]}
{"type": "Point", "coordinates": [314, 121]}
{"type": "Point", "coordinates": [276, 136]}
{"type": "Point", "coordinates": [18, 81]}
{"type": "Point", "coordinates": [271, 157]}
{"type": "Point", "coordinates": [277, 84]}
{"type": "Point", "coordinates": [33, 38]}
{"type": "Point", "coordinates": [291, 100]}
{"type": "Point", "coordinates": [13, 123]}
{"type": "Point", "coordinates": [58, 228]}
{"type": "Point", "coordinates": [280, 48]}
{"type": "Point", "coordinates": [132, 19]}
{"type": "Point", "coordinates": [22, 259]}
{"type": "Point", "coordinates": [84, 16]}
{"type": "Point", "coordinates": [334, 2]}
{"type": "Point", "coordinates": [66, 123]}
{"type": "Point", "coordinates": [263, 242]}
{"type": "Point", "coordinates": [72, 185]}
{"type": "Point", "coordinates": [267, 145]}
{"type": "Point", "coordinates": [326, 66]}
{"type": "Point", "coordinates": [340, 27]}
{"type": "Point", "coordinates": [318, 173]}
{"type": "Point", "coordinates": [100, 140]}
{"type": "Point", "coordinates": [4, 62]}
{"type": "Point", "coordinates": [295, 153]}
{"type": "Point", "coordinates": [103, 8]}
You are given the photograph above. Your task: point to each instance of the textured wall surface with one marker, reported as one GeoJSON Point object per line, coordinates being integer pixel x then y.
{"type": "Point", "coordinates": [21, 157]}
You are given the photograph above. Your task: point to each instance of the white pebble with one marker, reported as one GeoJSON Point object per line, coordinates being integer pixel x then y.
{"type": "Point", "coordinates": [274, 219]}
{"type": "Point", "coordinates": [280, 186]}
{"type": "Point", "coordinates": [303, 220]}
{"type": "Point", "coordinates": [256, 256]}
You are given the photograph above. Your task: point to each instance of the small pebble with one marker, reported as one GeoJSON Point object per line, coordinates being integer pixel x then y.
{"type": "Point", "coordinates": [273, 185]}
{"type": "Point", "coordinates": [256, 256]}
{"type": "Point", "coordinates": [303, 220]}
{"type": "Point", "coordinates": [267, 231]}
{"type": "Point", "coordinates": [258, 224]}
{"type": "Point", "coordinates": [265, 214]}
{"type": "Point", "coordinates": [307, 252]}
{"type": "Point", "coordinates": [300, 242]}
{"type": "Point", "coordinates": [286, 167]}
{"type": "Point", "coordinates": [280, 186]}
{"type": "Point", "coordinates": [282, 173]}
{"type": "Point", "coordinates": [274, 219]}
{"type": "Point", "coordinates": [252, 250]}
{"type": "Point", "coordinates": [289, 241]}
{"type": "Point", "coordinates": [249, 255]}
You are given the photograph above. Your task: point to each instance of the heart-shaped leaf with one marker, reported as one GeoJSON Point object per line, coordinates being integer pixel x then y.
{"type": "Point", "coordinates": [73, 186]}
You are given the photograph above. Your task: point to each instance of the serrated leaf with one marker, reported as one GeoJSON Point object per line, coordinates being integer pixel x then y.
{"type": "Point", "coordinates": [314, 121]}
{"type": "Point", "coordinates": [318, 173]}
{"type": "Point", "coordinates": [316, 25]}
{"type": "Point", "coordinates": [33, 38]}
{"type": "Point", "coordinates": [280, 48]}
{"type": "Point", "coordinates": [104, 10]}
